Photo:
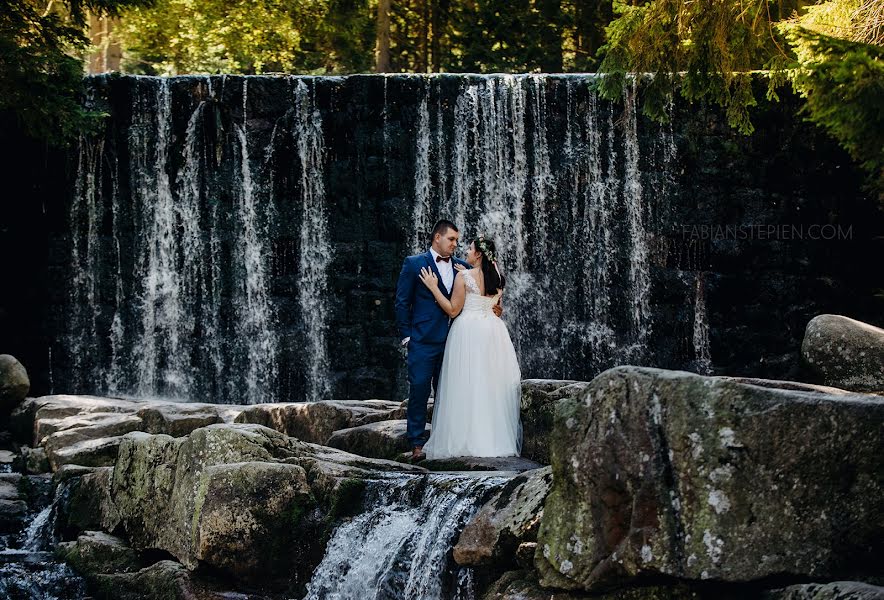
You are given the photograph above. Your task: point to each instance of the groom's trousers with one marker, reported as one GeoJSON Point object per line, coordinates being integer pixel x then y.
{"type": "Point", "coordinates": [424, 365]}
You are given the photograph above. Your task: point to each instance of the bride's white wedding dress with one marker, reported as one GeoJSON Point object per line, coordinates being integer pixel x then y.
{"type": "Point", "coordinates": [476, 409]}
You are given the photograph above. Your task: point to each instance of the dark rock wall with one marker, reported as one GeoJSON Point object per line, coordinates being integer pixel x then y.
{"type": "Point", "coordinates": [594, 208]}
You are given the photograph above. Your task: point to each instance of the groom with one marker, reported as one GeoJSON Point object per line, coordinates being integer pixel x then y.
{"type": "Point", "coordinates": [423, 325]}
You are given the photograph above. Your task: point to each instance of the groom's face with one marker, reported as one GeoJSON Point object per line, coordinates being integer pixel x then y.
{"type": "Point", "coordinates": [446, 243]}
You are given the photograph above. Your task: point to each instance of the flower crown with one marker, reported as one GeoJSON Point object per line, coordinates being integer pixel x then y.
{"type": "Point", "coordinates": [485, 248]}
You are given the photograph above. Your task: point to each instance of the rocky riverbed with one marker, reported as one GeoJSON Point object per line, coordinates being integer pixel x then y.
{"type": "Point", "coordinates": [643, 484]}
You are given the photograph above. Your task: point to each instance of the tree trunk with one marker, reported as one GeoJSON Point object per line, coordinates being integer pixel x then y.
{"type": "Point", "coordinates": [424, 35]}
{"type": "Point", "coordinates": [435, 41]}
{"type": "Point", "coordinates": [382, 49]}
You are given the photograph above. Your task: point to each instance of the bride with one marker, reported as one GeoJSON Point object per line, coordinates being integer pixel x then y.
{"type": "Point", "coordinates": [478, 395]}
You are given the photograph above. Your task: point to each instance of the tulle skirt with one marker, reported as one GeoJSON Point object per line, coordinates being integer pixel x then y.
{"type": "Point", "coordinates": [477, 402]}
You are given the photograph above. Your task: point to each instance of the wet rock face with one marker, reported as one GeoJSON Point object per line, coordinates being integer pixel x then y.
{"type": "Point", "coordinates": [845, 353]}
{"type": "Point", "coordinates": [666, 473]}
{"type": "Point", "coordinates": [510, 518]}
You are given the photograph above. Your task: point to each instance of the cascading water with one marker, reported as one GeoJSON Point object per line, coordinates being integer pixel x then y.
{"type": "Point", "coordinates": [399, 547]}
{"type": "Point", "coordinates": [702, 354]}
{"type": "Point", "coordinates": [316, 245]}
{"type": "Point", "coordinates": [28, 569]}
{"type": "Point", "coordinates": [503, 184]}
{"type": "Point", "coordinates": [213, 245]}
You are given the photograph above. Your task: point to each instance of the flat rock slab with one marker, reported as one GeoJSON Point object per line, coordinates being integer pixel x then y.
{"type": "Point", "coordinates": [86, 430]}
{"type": "Point", "coordinates": [315, 422]}
{"type": "Point", "coordinates": [513, 464]}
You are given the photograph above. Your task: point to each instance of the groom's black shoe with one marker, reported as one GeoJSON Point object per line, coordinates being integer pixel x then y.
{"type": "Point", "coordinates": [417, 454]}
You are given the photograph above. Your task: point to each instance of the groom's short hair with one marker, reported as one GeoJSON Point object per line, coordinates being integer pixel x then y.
{"type": "Point", "coordinates": [441, 227]}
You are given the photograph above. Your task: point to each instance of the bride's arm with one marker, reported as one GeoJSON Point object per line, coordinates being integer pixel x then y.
{"type": "Point", "coordinates": [451, 307]}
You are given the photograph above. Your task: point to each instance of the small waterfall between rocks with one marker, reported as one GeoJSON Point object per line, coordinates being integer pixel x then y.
{"type": "Point", "coordinates": [28, 568]}
{"type": "Point", "coordinates": [399, 547]}
{"type": "Point", "coordinates": [223, 227]}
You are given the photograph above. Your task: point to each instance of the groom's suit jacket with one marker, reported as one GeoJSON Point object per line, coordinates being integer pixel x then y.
{"type": "Point", "coordinates": [418, 316]}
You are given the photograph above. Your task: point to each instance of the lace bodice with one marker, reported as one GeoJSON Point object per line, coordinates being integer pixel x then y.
{"type": "Point", "coordinates": [475, 302]}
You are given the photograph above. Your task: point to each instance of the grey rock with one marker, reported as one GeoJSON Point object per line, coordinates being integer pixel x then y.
{"type": "Point", "coordinates": [100, 452]}
{"type": "Point", "coordinates": [14, 383]}
{"type": "Point", "coordinates": [165, 580]}
{"type": "Point", "coordinates": [838, 590]}
{"type": "Point", "coordinates": [845, 353]}
{"type": "Point", "coordinates": [511, 517]}
{"type": "Point", "coordinates": [382, 439]}
{"type": "Point", "coordinates": [316, 421]}
{"type": "Point", "coordinates": [511, 464]}
{"type": "Point", "coordinates": [95, 552]}
{"type": "Point", "coordinates": [242, 498]}
{"type": "Point", "coordinates": [522, 585]}
{"type": "Point", "coordinates": [90, 505]}
{"type": "Point", "coordinates": [539, 398]}
{"type": "Point", "coordinates": [35, 460]}
{"type": "Point", "coordinates": [671, 474]}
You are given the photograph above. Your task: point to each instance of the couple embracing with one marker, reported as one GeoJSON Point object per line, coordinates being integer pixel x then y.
{"type": "Point", "coordinates": [448, 314]}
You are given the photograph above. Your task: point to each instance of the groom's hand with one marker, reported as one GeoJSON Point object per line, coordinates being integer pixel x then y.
{"type": "Point", "coordinates": [497, 308]}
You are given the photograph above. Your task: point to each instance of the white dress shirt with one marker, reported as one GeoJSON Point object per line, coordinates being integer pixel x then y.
{"type": "Point", "coordinates": [446, 270]}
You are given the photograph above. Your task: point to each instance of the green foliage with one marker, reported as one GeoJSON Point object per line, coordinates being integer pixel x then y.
{"type": "Point", "coordinates": [843, 84]}
{"type": "Point", "coordinates": [41, 70]}
{"type": "Point", "coordinates": [232, 36]}
{"type": "Point", "coordinates": [716, 46]}
{"type": "Point", "coordinates": [713, 46]}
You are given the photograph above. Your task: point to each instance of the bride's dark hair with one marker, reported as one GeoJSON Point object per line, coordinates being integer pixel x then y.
{"type": "Point", "coordinates": [494, 279]}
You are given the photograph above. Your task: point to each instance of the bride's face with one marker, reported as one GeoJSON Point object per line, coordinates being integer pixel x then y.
{"type": "Point", "coordinates": [473, 255]}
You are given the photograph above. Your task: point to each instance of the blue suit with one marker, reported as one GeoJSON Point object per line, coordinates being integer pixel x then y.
{"type": "Point", "coordinates": [419, 317]}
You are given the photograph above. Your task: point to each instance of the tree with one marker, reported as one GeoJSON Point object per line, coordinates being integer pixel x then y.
{"type": "Point", "coordinates": [382, 60]}
{"type": "Point", "coordinates": [41, 64]}
{"type": "Point", "coordinates": [229, 36]}
{"type": "Point", "coordinates": [832, 55]}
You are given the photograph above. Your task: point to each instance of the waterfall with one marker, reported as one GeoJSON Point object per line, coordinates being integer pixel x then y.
{"type": "Point", "coordinates": [255, 323]}
{"type": "Point", "coordinates": [316, 243]}
{"type": "Point", "coordinates": [570, 216]}
{"type": "Point", "coordinates": [702, 354]}
{"type": "Point", "coordinates": [639, 278]}
{"type": "Point", "coordinates": [85, 213]}
{"type": "Point", "coordinates": [399, 547]}
{"type": "Point", "coordinates": [218, 234]}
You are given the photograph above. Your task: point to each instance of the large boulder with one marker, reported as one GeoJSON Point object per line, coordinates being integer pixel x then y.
{"type": "Point", "coordinates": [243, 499]}
{"type": "Point", "coordinates": [670, 474]}
{"type": "Point", "coordinates": [539, 398]}
{"type": "Point", "coordinates": [511, 517]}
{"type": "Point", "coordinates": [14, 383]}
{"type": "Point", "coordinates": [845, 353]}
{"type": "Point", "coordinates": [316, 421]}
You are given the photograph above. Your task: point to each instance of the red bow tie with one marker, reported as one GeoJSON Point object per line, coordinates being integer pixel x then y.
{"type": "Point", "coordinates": [443, 258]}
